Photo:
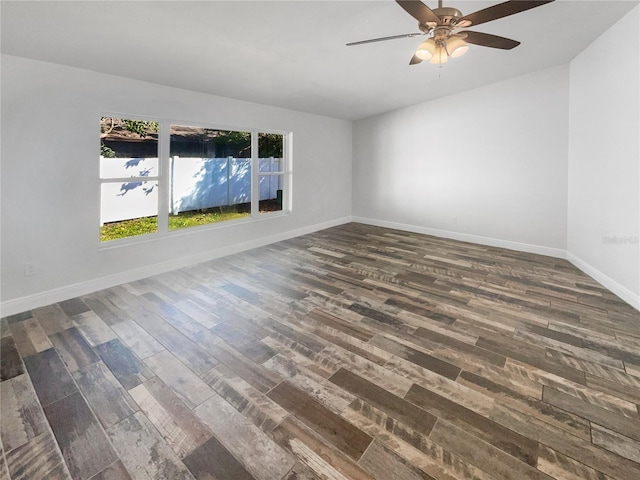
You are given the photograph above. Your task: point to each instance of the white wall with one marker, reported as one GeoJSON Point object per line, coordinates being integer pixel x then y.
{"type": "Point", "coordinates": [486, 165]}
{"type": "Point", "coordinates": [604, 159]}
{"type": "Point", "coordinates": [50, 191]}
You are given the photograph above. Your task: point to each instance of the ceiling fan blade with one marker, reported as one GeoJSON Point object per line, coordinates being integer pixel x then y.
{"type": "Point", "coordinates": [499, 11]}
{"type": "Point", "coordinates": [382, 39]}
{"type": "Point", "coordinates": [419, 11]}
{"type": "Point", "coordinates": [415, 60]}
{"type": "Point", "coordinates": [488, 40]}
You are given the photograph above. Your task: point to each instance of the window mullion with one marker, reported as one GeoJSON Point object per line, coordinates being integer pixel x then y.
{"type": "Point", "coordinates": [164, 180]}
{"type": "Point", "coordinates": [255, 178]}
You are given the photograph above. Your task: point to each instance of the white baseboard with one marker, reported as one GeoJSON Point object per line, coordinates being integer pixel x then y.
{"type": "Point", "coordinates": [22, 304]}
{"type": "Point", "coordinates": [466, 237]}
{"type": "Point", "coordinates": [621, 291]}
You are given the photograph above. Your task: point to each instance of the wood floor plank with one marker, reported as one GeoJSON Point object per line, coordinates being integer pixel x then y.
{"type": "Point", "coordinates": [256, 375]}
{"type": "Point", "coordinates": [124, 365]}
{"type": "Point", "coordinates": [527, 404]}
{"type": "Point", "coordinates": [249, 346]}
{"type": "Point", "coordinates": [484, 456]}
{"type": "Point", "coordinates": [104, 393]}
{"type": "Point", "coordinates": [194, 331]}
{"type": "Point", "coordinates": [383, 463]}
{"type": "Point", "coordinates": [21, 413]}
{"type": "Point", "coordinates": [50, 377]}
{"type": "Point", "coordinates": [263, 412]}
{"type": "Point", "coordinates": [52, 319]}
{"type": "Point", "coordinates": [626, 387]}
{"type": "Point", "coordinates": [594, 396]}
{"type": "Point", "coordinates": [115, 471]}
{"type": "Point", "coordinates": [4, 473]}
{"type": "Point", "coordinates": [260, 455]}
{"type": "Point", "coordinates": [330, 426]}
{"type": "Point", "coordinates": [396, 407]}
{"type": "Point", "coordinates": [530, 354]}
{"type": "Point", "coordinates": [30, 337]}
{"type": "Point", "coordinates": [439, 340]}
{"type": "Point", "coordinates": [557, 465]}
{"type": "Point", "coordinates": [83, 443]}
{"type": "Point", "coordinates": [18, 317]}
{"type": "Point", "coordinates": [579, 449]}
{"type": "Point", "coordinates": [311, 383]}
{"type": "Point", "coordinates": [323, 458]}
{"type": "Point", "coordinates": [39, 458]}
{"type": "Point", "coordinates": [93, 328]}
{"type": "Point", "coordinates": [178, 425]}
{"type": "Point", "coordinates": [194, 357]}
{"type": "Point", "coordinates": [137, 339]}
{"type": "Point", "coordinates": [191, 390]}
{"type": "Point", "coordinates": [212, 461]}
{"type": "Point", "coordinates": [594, 413]}
{"type": "Point", "coordinates": [143, 452]}
{"type": "Point", "coordinates": [615, 442]}
{"type": "Point", "coordinates": [425, 454]}
{"type": "Point", "coordinates": [10, 361]}
{"type": "Point", "coordinates": [491, 432]}
{"type": "Point", "coordinates": [341, 325]}
{"type": "Point", "coordinates": [416, 356]}
{"type": "Point", "coordinates": [74, 306]}
{"type": "Point", "coordinates": [201, 315]}
{"type": "Point", "coordinates": [73, 349]}
{"type": "Point", "coordinates": [301, 471]}
{"type": "Point", "coordinates": [103, 307]}
{"type": "Point", "coordinates": [396, 383]}
{"type": "Point", "coordinates": [4, 328]}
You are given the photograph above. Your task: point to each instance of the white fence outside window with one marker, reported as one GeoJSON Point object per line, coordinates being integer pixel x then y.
{"type": "Point", "coordinates": [195, 183]}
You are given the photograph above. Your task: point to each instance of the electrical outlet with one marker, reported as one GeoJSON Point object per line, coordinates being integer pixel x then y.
{"type": "Point", "coordinates": [30, 269]}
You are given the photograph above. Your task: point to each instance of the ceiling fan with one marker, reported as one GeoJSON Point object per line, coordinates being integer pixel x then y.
{"type": "Point", "coordinates": [443, 25]}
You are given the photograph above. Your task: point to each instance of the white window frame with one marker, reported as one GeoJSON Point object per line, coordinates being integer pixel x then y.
{"type": "Point", "coordinates": [163, 180]}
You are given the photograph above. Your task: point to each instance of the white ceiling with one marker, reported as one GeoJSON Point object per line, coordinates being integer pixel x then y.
{"type": "Point", "coordinates": [292, 54]}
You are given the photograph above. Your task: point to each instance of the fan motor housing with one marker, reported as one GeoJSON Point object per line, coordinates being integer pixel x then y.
{"type": "Point", "coordinates": [447, 18]}
{"type": "Point", "coordinates": [447, 15]}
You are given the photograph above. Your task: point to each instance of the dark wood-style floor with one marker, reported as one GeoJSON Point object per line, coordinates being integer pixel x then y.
{"type": "Point", "coordinates": [353, 353]}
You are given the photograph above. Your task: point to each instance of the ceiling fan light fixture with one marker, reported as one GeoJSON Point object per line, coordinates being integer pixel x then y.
{"type": "Point", "coordinates": [440, 56]}
{"type": "Point", "coordinates": [458, 52]}
{"type": "Point", "coordinates": [456, 46]}
{"type": "Point", "coordinates": [426, 49]}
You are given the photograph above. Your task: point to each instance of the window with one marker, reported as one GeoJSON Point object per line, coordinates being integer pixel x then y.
{"type": "Point", "coordinates": [210, 179]}
{"type": "Point", "coordinates": [271, 171]}
{"type": "Point", "coordinates": [129, 174]}
{"type": "Point", "coordinates": [207, 176]}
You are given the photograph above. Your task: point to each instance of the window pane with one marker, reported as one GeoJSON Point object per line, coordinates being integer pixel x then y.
{"type": "Point", "coordinates": [128, 209]}
{"type": "Point", "coordinates": [210, 176]}
{"type": "Point", "coordinates": [125, 138]}
{"type": "Point", "coordinates": [271, 160]}
{"type": "Point", "coordinates": [271, 191]}
{"type": "Point", "coordinates": [128, 149]}
{"type": "Point", "coordinates": [270, 145]}
{"type": "Point", "coordinates": [194, 142]}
